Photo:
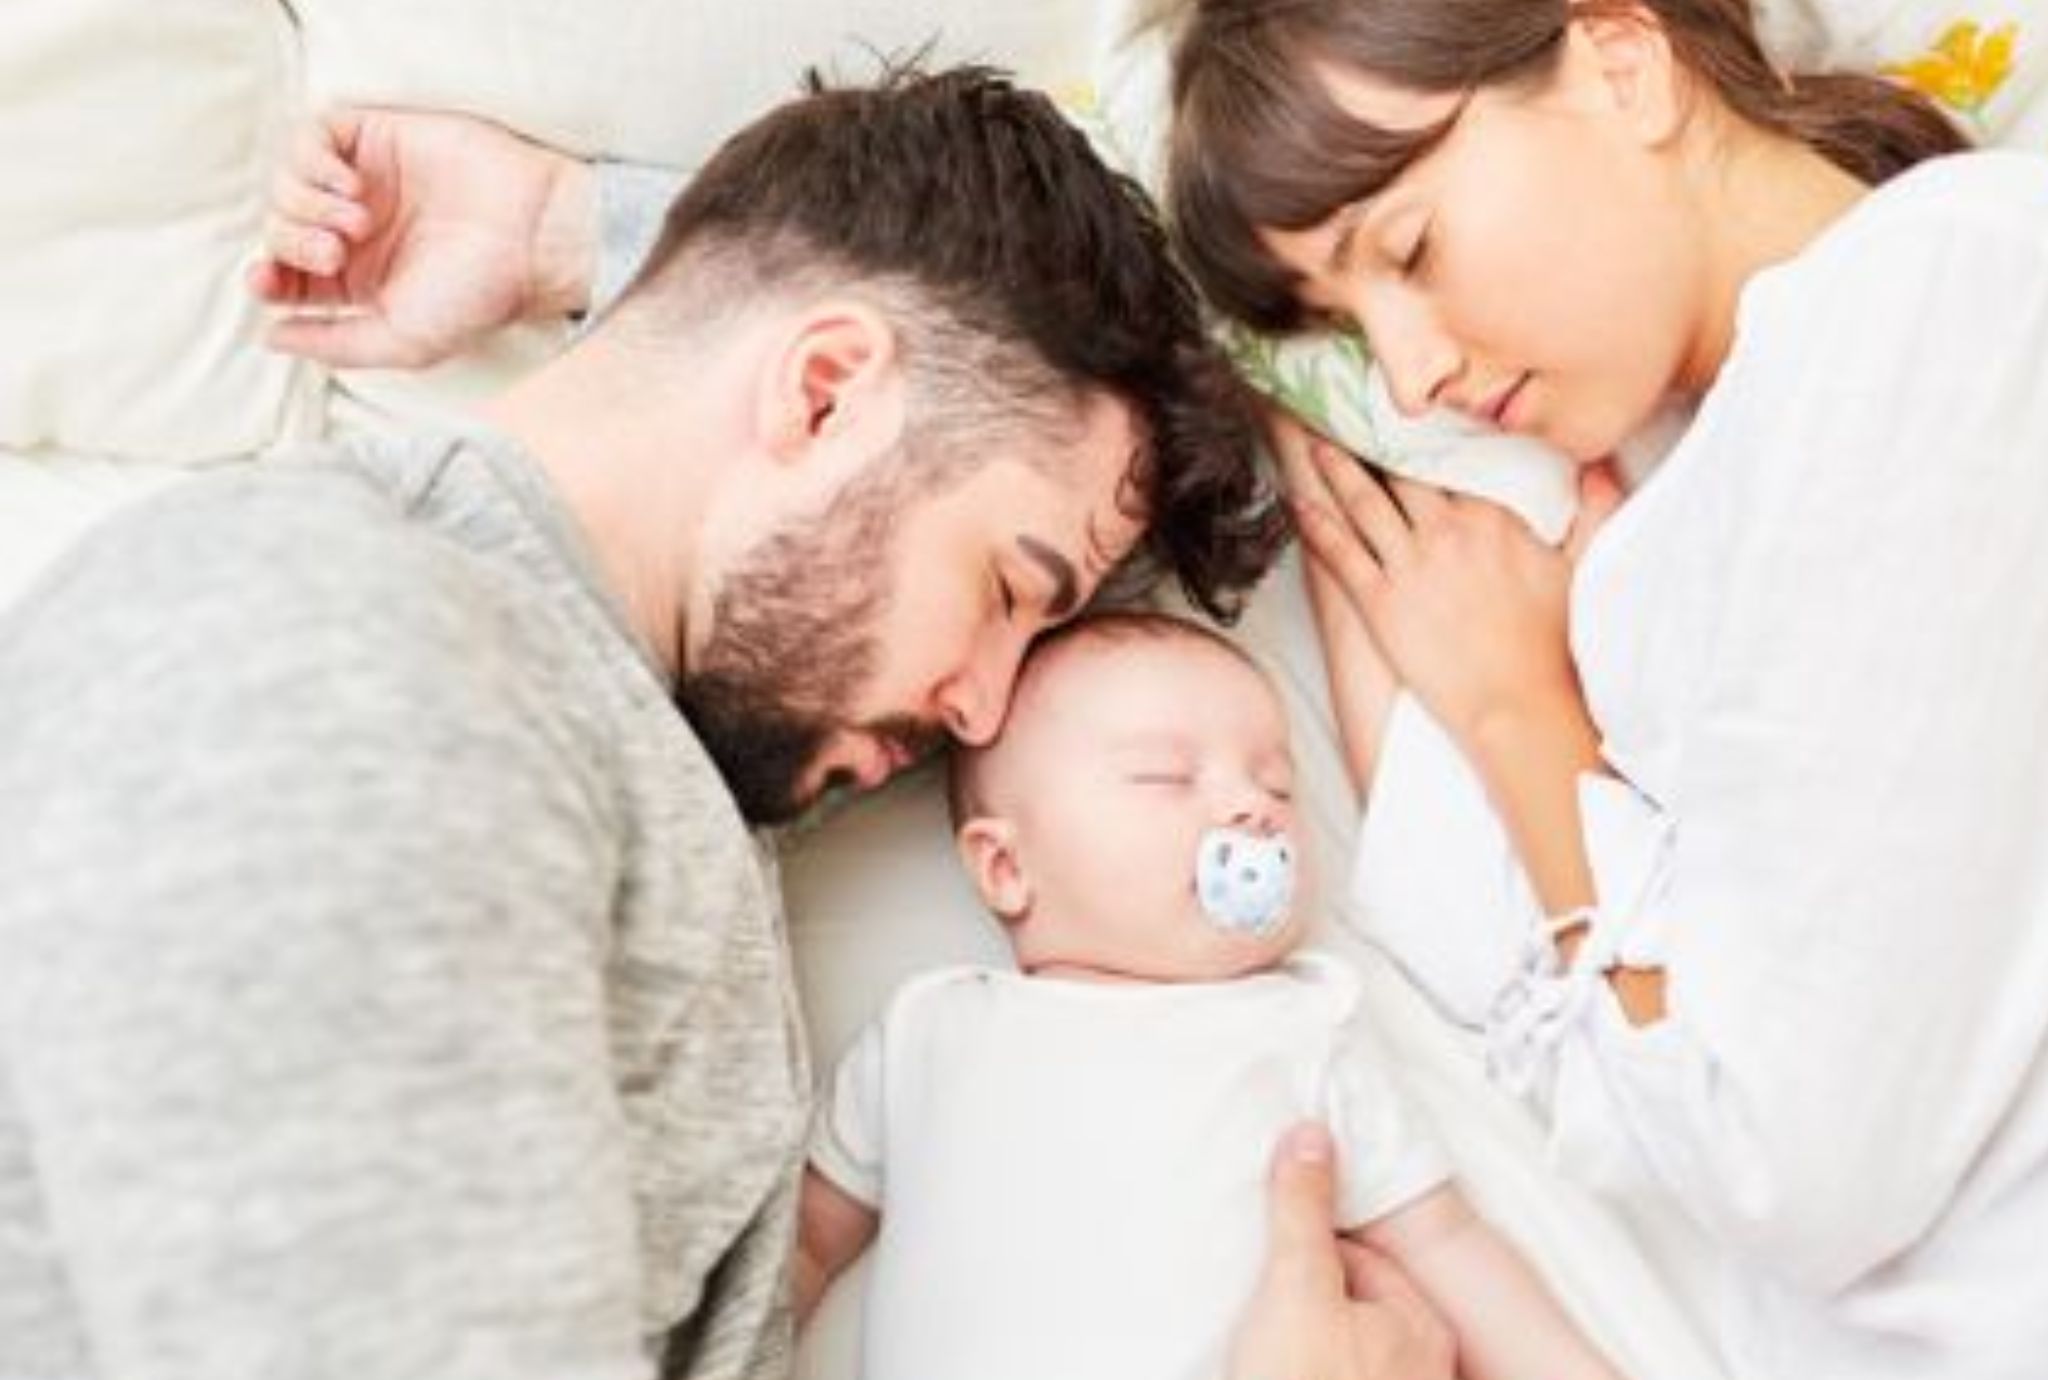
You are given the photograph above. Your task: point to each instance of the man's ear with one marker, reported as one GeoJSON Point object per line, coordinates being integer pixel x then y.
{"type": "Point", "coordinates": [834, 387]}
{"type": "Point", "coordinates": [1629, 55]}
{"type": "Point", "coordinates": [988, 849]}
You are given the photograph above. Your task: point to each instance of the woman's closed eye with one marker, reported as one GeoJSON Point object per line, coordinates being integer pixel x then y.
{"type": "Point", "coordinates": [1416, 257]}
{"type": "Point", "coordinates": [1161, 778]}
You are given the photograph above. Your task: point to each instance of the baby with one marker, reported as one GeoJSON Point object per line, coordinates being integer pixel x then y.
{"type": "Point", "coordinates": [1063, 1166]}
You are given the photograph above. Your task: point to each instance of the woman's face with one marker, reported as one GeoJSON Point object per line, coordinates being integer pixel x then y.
{"type": "Point", "coordinates": [1537, 269]}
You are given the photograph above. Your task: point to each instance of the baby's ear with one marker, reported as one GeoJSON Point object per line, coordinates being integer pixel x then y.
{"type": "Point", "coordinates": [988, 849]}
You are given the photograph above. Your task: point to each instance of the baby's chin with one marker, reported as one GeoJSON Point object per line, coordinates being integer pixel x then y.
{"type": "Point", "coordinates": [1224, 953]}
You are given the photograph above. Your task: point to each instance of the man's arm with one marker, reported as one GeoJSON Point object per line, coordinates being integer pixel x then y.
{"type": "Point", "coordinates": [302, 1000]}
{"type": "Point", "coordinates": [1508, 1325]}
{"type": "Point", "coordinates": [833, 1228]}
{"type": "Point", "coordinates": [398, 238]}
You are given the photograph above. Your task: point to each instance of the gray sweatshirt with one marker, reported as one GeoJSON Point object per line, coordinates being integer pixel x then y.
{"type": "Point", "coordinates": [388, 984]}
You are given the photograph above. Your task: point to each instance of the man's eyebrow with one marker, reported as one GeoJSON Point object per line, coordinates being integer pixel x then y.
{"type": "Point", "coordinates": [1066, 594]}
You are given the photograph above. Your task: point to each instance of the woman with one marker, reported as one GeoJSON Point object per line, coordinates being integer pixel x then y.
{"type": "Point", "coordinates": [1783, 817]}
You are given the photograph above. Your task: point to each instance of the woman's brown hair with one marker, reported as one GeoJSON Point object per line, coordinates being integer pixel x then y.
{"type": "Point", "coordinates": [1259, 142]}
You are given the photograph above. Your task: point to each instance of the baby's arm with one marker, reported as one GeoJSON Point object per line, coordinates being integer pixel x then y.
{"type": "Point", "coordinates": [833, 1228]}
{"type": "Point", "coordinates": [1508, 1325]}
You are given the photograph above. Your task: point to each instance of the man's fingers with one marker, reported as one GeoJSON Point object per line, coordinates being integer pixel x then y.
{"type": "Point", "coordinates": [279, 285]}
{"type": "Point", "coordinates": [299, 202]}
{"type": "Point", "coordinates": [1373, 1275]}
{"type": "Point", "coordinates": [322, 149]}
{"type": "Point", "coordinates": [270, 281]}
{"type": "Point", "coordinates": [1301, 1254]}
{"type": "Point", "coordinates": [308, 248]}
{"type": "Point", "coordinates": [344, 342]}
{"type": "Point", "coordinates": [1373, 1278]}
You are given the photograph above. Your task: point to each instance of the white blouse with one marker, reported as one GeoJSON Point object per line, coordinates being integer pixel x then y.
{"type": "Point", "coordinates": [1816, 646]}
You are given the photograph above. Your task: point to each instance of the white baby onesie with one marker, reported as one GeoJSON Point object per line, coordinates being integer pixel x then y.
{"type": "Point", "coordinates": [1071, 1175]}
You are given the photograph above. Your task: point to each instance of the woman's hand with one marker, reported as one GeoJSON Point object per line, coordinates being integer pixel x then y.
{"type": "Point", "coordinates": [1327, 1308]}
{"type": "Point", "coordinates": [397, 238]}
{"type": "Point", "coordinates": [1471, 610]}
{"type": "Point", "coordinates": [1464, 601]}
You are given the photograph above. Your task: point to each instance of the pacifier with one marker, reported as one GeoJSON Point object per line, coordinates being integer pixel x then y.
{"type": "Point", "coordinates": [1245, 881]}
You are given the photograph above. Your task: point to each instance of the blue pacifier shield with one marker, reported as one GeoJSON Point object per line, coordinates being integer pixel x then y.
{"type": "Point", "coordinates": [1245, 881]}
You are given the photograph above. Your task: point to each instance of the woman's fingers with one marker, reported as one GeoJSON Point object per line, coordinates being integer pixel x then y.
{"type": "Point", "coordinates": [1423, 503]}
{"type": "Point", "coordinates": [1366, 503]}
{"type": "Point", "coordinates": [1325, 531]}
{"type": "Point", "coordinates": [1600, 493]}
{"type": "Point", "coordinates": [1291, 442]}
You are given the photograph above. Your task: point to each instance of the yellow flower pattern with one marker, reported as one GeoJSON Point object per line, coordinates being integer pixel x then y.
{"type": "Point", "coordinates": [1965, 67]}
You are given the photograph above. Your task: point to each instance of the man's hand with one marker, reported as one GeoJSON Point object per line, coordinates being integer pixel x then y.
{"type": "Point", "coordinates": [1326, 1308]}
{"type": "Point", "coordinates": [398, 238]}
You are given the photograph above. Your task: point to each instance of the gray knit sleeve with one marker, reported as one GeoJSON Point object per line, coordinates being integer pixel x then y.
{"type": "Point", "coordinates": [302, 1001]}
{"type": "Point", "coordinates": [632, 203]}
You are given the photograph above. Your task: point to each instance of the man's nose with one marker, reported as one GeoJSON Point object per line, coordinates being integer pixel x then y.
{"type": "Point", "coordinates": [975, 700]}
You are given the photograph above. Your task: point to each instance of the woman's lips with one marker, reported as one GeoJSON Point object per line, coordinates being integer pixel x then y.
{"type": "Point", "coordinates": [1497, 411]}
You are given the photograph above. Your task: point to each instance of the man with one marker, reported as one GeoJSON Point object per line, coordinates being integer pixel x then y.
{"type": "Point", "coordinates": [391, 985]}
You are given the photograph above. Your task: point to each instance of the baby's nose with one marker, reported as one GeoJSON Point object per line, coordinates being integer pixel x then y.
{"type": "Point", "coordinates": [1256, 815]}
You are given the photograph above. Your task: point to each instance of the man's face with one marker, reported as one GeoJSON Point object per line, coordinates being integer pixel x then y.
{"type": "Point", "coordinates": [848, 645]}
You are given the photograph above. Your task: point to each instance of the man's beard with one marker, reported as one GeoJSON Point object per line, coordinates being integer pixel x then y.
{"type": "Point", "coordinates": [792, 640]}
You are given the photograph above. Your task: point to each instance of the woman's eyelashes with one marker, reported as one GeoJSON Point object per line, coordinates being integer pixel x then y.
{"type": "Point", "coordinates": [1416, 257]}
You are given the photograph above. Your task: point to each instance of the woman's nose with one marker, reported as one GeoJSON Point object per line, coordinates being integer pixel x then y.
{"type": "Point", "coordinates": [1416, 356]}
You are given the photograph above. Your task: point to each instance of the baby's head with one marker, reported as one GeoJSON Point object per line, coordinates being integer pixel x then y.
{"type": "Point", "coordinates": [1135, 817]}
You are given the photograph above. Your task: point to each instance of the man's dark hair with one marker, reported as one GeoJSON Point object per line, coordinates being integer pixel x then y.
{"type": "Point", "coordinates": [1030, 275]}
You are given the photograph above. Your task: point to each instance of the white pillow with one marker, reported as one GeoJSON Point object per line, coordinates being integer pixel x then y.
{"type": "Point", "coordinates": [1981, 60]}
{"type": "Point", "coordinates": [660, 82]}
{"type": "Point", "coordinates": [653, 81]}
{"type": "Point", "coordinates": [138, 143]}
